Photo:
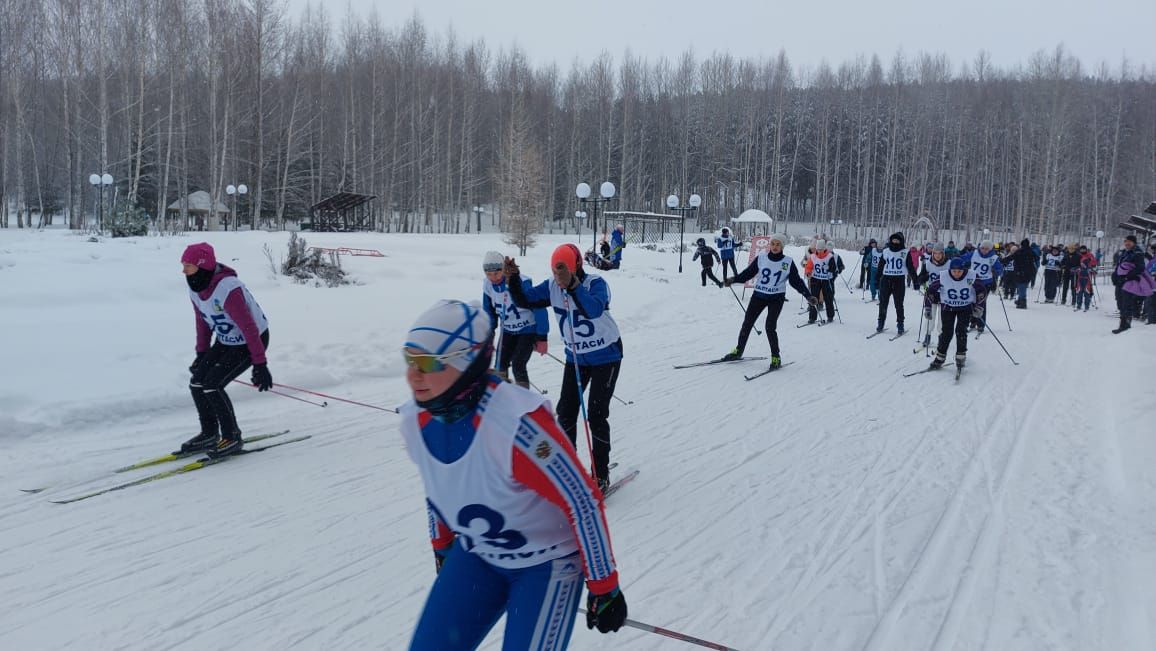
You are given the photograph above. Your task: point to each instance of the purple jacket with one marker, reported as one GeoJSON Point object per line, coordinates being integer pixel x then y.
{"type": "Point", "coordinates": [1141, 285]}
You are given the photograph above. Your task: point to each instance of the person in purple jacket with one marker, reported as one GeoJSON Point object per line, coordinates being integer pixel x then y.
{"type": "Point", "coordinates": [223, 307]}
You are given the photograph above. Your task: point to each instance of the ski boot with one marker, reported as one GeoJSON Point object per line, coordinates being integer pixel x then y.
{"type": "Point", "coordinates": [879, 325]}
{"type": "Point", "coordinates": [1125, 323]}
{"type": "Point", "coordinates": [899, 328]}
{"type": "Point", "coordinates": [960, 359]}
{"type": "Point", "coordinates": [603, 484]}
{"type": "Point", "coordinates": [200, 443]}
{"type": "Point", "coordinates": [228, 445]}
{"type": "Point", "coordinates": [938, 361]}
{"type": "Point", "coordinates": [776, 362]}
{"type": "Point", "coordinates": [733, 355]}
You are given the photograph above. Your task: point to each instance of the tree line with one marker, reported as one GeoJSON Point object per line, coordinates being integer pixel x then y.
{"type": "Point", "coordinates": [174, 96]}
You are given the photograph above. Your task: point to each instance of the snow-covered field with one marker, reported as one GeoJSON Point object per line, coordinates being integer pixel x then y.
{"type": "Point", "coordinates": [834, 505]}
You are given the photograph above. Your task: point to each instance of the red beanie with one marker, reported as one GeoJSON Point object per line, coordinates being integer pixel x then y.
{"type": "Point", "coordinates": [569, 255]}
{"type": "Point", "coordinates": [201, 255]}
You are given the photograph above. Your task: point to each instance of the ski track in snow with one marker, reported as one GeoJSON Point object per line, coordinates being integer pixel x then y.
{"type": "Point", "coordinates": [832, 505]}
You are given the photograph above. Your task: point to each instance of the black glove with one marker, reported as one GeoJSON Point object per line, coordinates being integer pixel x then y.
{"type": "Point", "coordinates": [196, 363]}
{"type": "Point", "coordinates": [261, 377]}
{"type": "Point", "coordinates": [606, 611]}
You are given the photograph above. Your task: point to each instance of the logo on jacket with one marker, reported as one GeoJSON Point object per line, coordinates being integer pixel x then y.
{"type": "Point", "coordinates": [786, 266]}
{"type": "Point", "coordinates": [217, 305]}
{"type": "Point", "coordinates": [543, 450]}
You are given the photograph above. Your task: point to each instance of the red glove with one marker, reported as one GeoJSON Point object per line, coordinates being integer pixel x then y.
{"type": "Point", "coordinates": [540, 347]}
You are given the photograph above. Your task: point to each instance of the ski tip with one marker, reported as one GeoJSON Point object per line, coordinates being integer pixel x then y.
{"type": "Point", "coordinates": [33, 491]}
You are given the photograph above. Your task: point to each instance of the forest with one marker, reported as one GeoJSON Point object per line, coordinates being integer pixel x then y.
{"type": "Point", "coordinates": [175, 96]}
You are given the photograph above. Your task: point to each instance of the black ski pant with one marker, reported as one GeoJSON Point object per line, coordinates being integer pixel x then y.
{"type": "Point", "coordinates": [707, 272]}
{"type": "Point", "coordinates": [1051, 283]}
{"type": "Point", "coordinates": [1068, 281]}
{"type": "Point", "coordinates": [773, 304]}
{"type": "Point", "coordinates": [890, 286]}
{"type": "Point", "coordinates": [601, 379]}
{"type": "Point", "coordinates": [516, 349]}
{"type": "Point", "coordinates": [731, 262]}
{"type": "Point", "coordinates": [219, 366]}
{"type": "Point", "coordinates": [825, 291]}
{"type": "Point", "coordinates": [955, 321]}
{"type": "Point", "coordinates": [979, 310]}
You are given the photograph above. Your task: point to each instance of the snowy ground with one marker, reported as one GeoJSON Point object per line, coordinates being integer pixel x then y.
{"type": "Point", "coordinates": [834, 505]}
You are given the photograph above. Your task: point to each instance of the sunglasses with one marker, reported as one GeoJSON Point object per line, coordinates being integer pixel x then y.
{"type": "Point", "coordinates": [430, 363]}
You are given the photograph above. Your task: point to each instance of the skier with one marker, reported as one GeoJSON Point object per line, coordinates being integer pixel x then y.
{"type": "Point", "coordinates": [933, 268]}
{"type": "Point", "coordinates": [593, 345]}
{"type": "Point", "coordinates": [1133, 283]}
{"type": "Point", "coordinates": [1052, 262]}
{"type": "Point", "coordinates": [865, 254]}
{"type": "Point", "coordinates": [1084, 284]}
{"type": "Point", "coordinates": [523, 331]}
{"type": "Point", "coordinates": [1068, 265]}
{"type": "Point", "coordinates": [895, 267]}
{"type": "Point", "coordinates": [223, 307]}
{"type": "Point", "coordinates": [955, 292]}
{"type": "Point", "coordinates": [514, 521]}
{"type": "Point", "coordinates": [1025, 269]}
{"type": "Point", "coordinates": [951, 250]}
{"type": "Point", "coordinates": [821, 269]}
{"type": "Point", "coordinates": [1007, 284]}
{"type": "Point", "coordinates": [726, 247]}
{"type": "Point", "coordinates": [617, 243]}
{"type": "Point", "coordinates": [774, 270]}
{"type": "Point", "coordinates": [876, 256]}
{"type": "Point", "coordinates": [708, 256]}
{"type": "Point", "coordinates": [984, 264]}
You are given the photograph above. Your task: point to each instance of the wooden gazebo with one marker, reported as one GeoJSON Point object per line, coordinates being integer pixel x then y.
{"type": "Point", "coordinates": [342, 212]}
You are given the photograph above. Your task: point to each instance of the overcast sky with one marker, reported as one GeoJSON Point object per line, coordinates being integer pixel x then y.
{"type": "Point", "coordinates": [1094, 31]}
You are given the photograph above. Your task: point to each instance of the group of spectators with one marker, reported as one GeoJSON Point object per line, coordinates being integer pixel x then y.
{"type": "Point", "coordinates": [1070, 268]}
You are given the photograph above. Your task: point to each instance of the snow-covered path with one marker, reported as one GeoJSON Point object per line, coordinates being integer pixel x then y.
{"type": "Point", "coordinates": [832, 505]}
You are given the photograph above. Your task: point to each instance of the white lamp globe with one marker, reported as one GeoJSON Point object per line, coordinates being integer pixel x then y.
{"type": "Point", "coordinates": [672, 201]}
{"type": "Point", "coordinates": [94, 179]}
{"type": "Point", "coordinates": [231, 189]}
{"type": "Point", "coordinates": [106, 179]}
{"type": "Point", "coordinates": [1099, 233]}
{"type": "Point", "coordinates": [607, 189]}
{"type": "Point", "coordinates": [583, 190]}
{"type": "Point", "coordinates": [578, 214]}
{"type": "Point", "coordinates": [243, 189]}
{"type": "Point", "coordinates": [695, 201]}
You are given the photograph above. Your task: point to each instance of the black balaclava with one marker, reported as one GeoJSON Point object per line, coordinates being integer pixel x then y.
{"type": "Point", "coordinates": [464, 394]}
{"type": "Point", "coordinates": [200, 280]}
{"type": "Point", "coordinates": [891, 244]}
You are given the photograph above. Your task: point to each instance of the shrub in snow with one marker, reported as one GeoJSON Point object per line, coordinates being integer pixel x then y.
{"type": "Point", "coordinates": [130, 222]}
{"type": "Point", "coordinates": [304, 265]}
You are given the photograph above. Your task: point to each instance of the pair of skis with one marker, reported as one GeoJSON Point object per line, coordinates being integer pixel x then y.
{"type": "Point", "coordinates": [188, 467]}
{"type": "Point", "coordinates": [879, 332]}
{"type": "Point", "coordinates": [958, 371]}
{"type": "Point", "coordinates": [741, 359]}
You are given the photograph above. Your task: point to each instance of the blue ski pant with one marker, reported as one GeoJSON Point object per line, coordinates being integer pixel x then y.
{"type": "Point", "coordinates": [540, 603]}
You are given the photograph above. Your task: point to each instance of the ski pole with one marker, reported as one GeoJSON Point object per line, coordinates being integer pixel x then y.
{"type": "Point", "coordinates": [919, 331]}
{"type": "Point", "coordinates": [615, 396]}
{"type": "Point", "coordinates": [1013, 361]}
{"type": "Point", "coordinates": [674, 635]}
{"type": "Point", "coordinates": [578, 379]}
{"type": "Point", "coordinates": [835, 303]}
{"type": "Point", "coordinates": [325, 395]}
{"type": "Point", "coordinates": [285, 395]}
{"type": "Point", "coordinates": [1004, 306]}
{"type": "Point", "coordinates": [743, 308]}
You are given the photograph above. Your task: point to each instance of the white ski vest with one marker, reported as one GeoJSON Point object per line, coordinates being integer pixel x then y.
{"type": "Point", "coordinates": [212, 310]}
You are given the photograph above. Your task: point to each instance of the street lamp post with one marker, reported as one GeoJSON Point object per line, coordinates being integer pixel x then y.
{"type": "Point", "coordinates": [579, 217]}
{"type": "Point", "coordinates": [478, 211]}
{"type": "Point", "coordinates": [99, 181]}
{"type": "Point", "coordinates": [583, 193]}
{"type": "Point", "coordinates": [234, 191]}
{"type": "Point", "coordinates": [672, 202]}
{"type": "Point", "coordinates": [1099, 246]}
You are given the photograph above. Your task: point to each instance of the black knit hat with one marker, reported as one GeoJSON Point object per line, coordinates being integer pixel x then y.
{"type": "Point", "coordinates": [1131, 238]}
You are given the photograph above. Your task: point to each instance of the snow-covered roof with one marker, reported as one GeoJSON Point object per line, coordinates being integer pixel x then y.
{"type": "Point", "coordinates": [753, 216]}
{"type": "Point", "coordinates": [197, 202]}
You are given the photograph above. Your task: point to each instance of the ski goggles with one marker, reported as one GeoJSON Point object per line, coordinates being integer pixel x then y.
{"type": "Point", "coordinates": [430, 363]}
{"type": "Point", "coordinates": [491, 268]}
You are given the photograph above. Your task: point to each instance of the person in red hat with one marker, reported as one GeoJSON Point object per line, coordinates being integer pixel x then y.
{"type": "Point", "coordinates": [593, 345]}
{"type": "Point", "coordinates": [224, 308]}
